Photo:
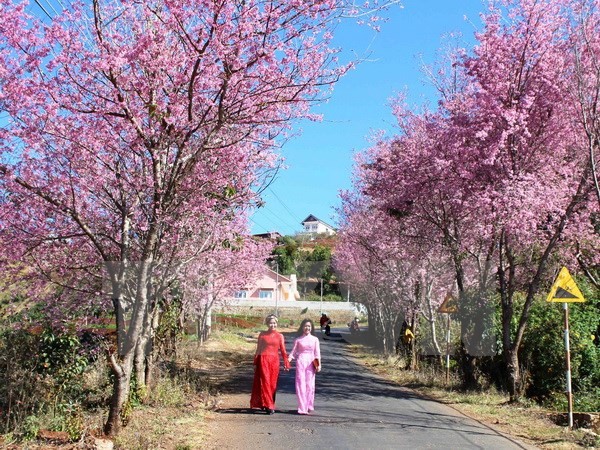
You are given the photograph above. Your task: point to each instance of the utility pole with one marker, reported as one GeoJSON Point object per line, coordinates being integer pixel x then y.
{"type": "Point", "coordinates": [321, 295]}
{"type": "Point", "coordinates": [277, 286]}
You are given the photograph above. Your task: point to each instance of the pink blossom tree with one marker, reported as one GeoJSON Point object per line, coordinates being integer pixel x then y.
{"type": "Point", "coordinates": [537, 180]}
{"type": "Point", "coordinates": [134, 131]}
{"type": "Point", "coordinates": [498, 174]}
{"type": "Point", "coordinates": [582, 24]}
{"type": "Point", "coordinates": [392, 267]}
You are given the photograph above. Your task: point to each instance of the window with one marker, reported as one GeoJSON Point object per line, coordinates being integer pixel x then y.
{"type": "Point", "coordinates": [241, 294]}
{"type": "Point", "coordinates": [265, 293]}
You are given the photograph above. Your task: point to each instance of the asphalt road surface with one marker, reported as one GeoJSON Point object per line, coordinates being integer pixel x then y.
{"type": "Point", "coordinates": [354, 409]}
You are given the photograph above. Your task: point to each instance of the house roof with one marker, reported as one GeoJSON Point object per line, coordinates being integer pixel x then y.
{"type": "Point", "coordinates": [312, 218]}
{"type": "Point", "coordinates": [270, 235]}
{"type": "Point", "coordinates": [275, 275]}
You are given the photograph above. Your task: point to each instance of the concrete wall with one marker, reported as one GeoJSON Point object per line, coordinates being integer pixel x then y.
{"type": "Point", "coordinates": [339, 312]}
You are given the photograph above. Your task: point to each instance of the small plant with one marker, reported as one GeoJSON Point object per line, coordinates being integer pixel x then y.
{"type": "Point", "coordinates": [74, 425]}
{"type": "Point", "coordinates": [31, 427]}
{"type": "Point", "coordinates": [169, 392]}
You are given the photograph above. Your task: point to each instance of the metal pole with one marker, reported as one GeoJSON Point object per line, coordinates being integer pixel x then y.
{"type": "Point", "coordinates": [321, 295]}
{"type": "Point", "coordinates": [568, 356]}
{"type": "Point", "coordinates": [277, 286]}
{"type": "Point", "coordinates": [448, 352]}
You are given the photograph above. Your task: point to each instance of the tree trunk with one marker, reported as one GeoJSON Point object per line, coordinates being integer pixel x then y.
{"type": "Point", "coordinates": [142, 364]}
{"type": "Point", "coordinates": [414, 360]}
{"type": "Point", "coordinates": [122, 371]}
{"type": "Point", "coordinates": [204, 324]}
{"type": "Point", "coordinates": [469, 369]}
{"type": "Point", "coordinates": [122, 377]}
{"type": "Point", "coordinates": [430, 317]}
{"type": "Point", "coordinates": [515, 384]}
{"type": "Point", "coordinates": [382, 331]}
{"type": "Point", "coordinates": [468, 362]}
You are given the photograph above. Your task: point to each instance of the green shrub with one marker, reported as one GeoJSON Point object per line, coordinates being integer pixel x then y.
{"type": "Point", "coordinates": [543, 353]}
{"type": "Point", "coordinates": [47, 376]}
{"type": "Point", "coordinates": [30, 427]}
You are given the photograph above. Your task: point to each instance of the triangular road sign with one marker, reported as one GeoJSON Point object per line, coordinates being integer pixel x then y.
{"type": "Point", "coordinates": [449, 305]}
{"type": "Point", "coordinates": [564, 289]}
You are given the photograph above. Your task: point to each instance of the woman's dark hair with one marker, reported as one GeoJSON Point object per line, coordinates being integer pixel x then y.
{"type": "Point", "coordinates": [304, 322]}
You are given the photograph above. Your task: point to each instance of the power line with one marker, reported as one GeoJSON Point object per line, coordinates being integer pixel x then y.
{"type": "Point", "coordinates": [56, 13]}
{"type": "Point", "coordinates": [43, 9]}
{"type": "Point", "coordinates": [259, 225]}
{"type": "Point", "coordinates": [278, 218]}
{"type": "Point", "coordinates": [285, 206]}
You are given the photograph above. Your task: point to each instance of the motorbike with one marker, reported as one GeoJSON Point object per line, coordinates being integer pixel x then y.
{"type": "Point", "coordinates": [353, 326]}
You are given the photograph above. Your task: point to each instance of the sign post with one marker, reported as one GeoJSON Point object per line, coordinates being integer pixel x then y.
{"type": "Point", "coordinates": [448, 307]}
{"type": "Point", "coordinates": [565, 291]}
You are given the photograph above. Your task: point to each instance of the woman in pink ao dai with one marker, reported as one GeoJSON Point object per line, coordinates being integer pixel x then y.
{"type": "Point", "coordinates": [307, 353]}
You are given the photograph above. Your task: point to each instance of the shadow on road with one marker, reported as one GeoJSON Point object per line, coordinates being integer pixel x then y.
{"type": "Point", "coordinates": [343, 378]}
{"type": "Point", "coordinates": [353, 409]}
{"type": "Point", "coordinates": [254, 411]}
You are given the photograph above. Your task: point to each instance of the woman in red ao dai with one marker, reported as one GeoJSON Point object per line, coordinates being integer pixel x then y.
{"type": "Point", "coordinates": [266, 362]}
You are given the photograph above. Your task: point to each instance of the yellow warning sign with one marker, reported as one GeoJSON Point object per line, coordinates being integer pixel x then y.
{"type": "Point", "coordinates": [449, 305]}
{"type": "Point", "coordinates": [564, 289]}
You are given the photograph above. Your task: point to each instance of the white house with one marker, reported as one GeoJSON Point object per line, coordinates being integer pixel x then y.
{"type": "Point", "coordinates": [312, 225]}
{"type": "Point", "coordinates": [272, 285]}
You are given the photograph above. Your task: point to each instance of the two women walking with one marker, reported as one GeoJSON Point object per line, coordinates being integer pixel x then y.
{"type": "Point", "coordinates": [306, 352]}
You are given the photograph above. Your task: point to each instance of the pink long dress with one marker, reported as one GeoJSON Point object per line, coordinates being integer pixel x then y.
{"type": "Point", "coordinates": [306, 349]}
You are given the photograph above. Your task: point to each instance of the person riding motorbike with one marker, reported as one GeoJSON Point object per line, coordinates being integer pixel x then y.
{"type": "Point", "coordinates": [354, 327]}
{"type": "Point", "coordinates": [325, 323]}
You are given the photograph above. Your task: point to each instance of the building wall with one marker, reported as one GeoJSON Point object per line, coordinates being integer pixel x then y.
{"type": "Point", "coordinates": [340, 312]}
{"type": "Point", "coordinates": [317, 228]}
{"type": "Point", "coordinates": [268, 282]}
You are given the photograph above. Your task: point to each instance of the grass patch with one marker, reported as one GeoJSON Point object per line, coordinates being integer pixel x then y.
{"type": "Point", "coordinates": [184, 391]}
{"type": "Point", "coordinates": [164, 427]}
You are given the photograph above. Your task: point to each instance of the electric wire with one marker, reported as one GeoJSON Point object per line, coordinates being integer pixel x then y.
{"type": "Point", "coordinates": [56, 13]}
{"type": "Point", "coordinates": [278, 219]}
{"type": "Point", "coordinates": [43, 9]}
{"type": "Point", "coordinates": [284, 205]}
{"type": "Point", "coordinates": [259, 225]}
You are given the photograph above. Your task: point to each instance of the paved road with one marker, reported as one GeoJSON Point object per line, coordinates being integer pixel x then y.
{"type": "Point", "coordinates": [354, 409]}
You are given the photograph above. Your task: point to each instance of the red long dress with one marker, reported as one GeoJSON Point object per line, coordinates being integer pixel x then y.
{"type": "Point", "coordinates": [266, 374]}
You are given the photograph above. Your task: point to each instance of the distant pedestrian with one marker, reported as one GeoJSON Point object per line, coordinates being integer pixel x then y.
{"type": "Point", "coordinates": [307, 353]}
{"type": "Point", "coordinates": [266, 366]}
{"type": "Point", "coordinates": [325, 323]}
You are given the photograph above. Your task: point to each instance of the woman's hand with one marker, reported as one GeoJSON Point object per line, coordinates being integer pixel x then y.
{"type": "Point", "coordinates": [319, 368]}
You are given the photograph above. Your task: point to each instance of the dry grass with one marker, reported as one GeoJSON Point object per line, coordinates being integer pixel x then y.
{"type": "Point", "coordinates": [528, 422]}
{"type": "Point", "coordinates": [176, 417]}
{"type": "Point", "coordinates": [164, 428]}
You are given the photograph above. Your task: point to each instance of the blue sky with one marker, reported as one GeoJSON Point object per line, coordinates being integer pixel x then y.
{"type": "Point", "coordinates": [320, 160]}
